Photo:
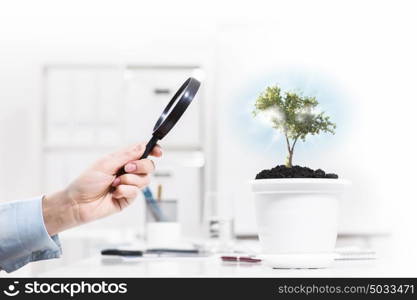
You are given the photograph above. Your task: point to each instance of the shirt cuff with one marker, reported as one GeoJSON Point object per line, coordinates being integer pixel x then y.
{"type": "Point", "coordinates": [32, 239]}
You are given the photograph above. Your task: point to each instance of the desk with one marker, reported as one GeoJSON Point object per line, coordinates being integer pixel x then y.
{"type": "Point", "coordinates": [387, 265]}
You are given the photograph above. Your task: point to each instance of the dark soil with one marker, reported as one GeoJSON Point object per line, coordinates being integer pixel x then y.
{"type": "Point", "coordinates": [282, 171]}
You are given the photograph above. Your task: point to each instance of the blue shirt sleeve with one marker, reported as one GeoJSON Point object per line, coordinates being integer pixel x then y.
{"type": "Point", "coordinates": [23, 236]}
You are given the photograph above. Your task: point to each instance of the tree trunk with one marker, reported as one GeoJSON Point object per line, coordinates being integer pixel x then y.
{"type": "Point", "coordinates": [288, 161]}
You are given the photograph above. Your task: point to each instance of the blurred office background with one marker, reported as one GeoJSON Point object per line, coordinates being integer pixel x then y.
{"type": "Point", "coordinates": [82, 78]}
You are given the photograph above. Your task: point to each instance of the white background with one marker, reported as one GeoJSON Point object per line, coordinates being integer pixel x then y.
{"type": "Point", "coordinates": [369, 47]}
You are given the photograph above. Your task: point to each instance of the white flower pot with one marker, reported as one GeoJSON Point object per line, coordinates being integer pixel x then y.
{"type": "Point", "coordinates": [297, 220]}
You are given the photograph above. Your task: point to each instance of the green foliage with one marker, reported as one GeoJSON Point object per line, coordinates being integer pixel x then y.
{"type": "Point", "coordinates": [294, 115]}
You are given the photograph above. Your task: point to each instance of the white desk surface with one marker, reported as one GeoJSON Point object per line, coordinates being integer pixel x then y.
{"type": "Point", "coordinates": [213, 267]}
{"type": "Point", "coordinates": [387, 265]}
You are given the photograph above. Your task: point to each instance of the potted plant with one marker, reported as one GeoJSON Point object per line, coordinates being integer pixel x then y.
{"type": "Point", "coordinates": [296, 207]}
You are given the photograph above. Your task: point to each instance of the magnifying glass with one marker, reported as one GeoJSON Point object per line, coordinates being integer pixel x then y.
{"type": "Point", "coordinates": [171, 114]}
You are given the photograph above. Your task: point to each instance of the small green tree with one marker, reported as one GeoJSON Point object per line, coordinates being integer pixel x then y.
{"type": "Point", "coordinates": [292, 114]}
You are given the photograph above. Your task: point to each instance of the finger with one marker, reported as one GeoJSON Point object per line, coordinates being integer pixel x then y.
{"type": "Point", "coordinates": [156, 151]}
{"type": "Point", "coordinates": [139, 181]}
{"type": "Point", "coordinates": [143, 166]}
{"type": "Point", "coordinates": [128, 192]}
{"type": "Point", "coordinates": [111, 163]}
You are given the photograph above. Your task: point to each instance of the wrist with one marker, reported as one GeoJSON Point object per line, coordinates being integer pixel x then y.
{"type": "Point", "coordinates": [59, 212]}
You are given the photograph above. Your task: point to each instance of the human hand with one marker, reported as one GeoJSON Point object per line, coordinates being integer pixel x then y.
{"type": "Point", "coordinates": [97, 192]}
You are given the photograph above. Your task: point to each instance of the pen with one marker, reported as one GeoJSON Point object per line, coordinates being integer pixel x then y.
{"type": "Point", "coordinates": [159, 192]}
{"type": "Point", "coordinates": [240, 259]}
{"type": "Point", "coordinates": [152, 204]}
{"type": "Point", "coordinates": [168, 250]}
{"type": "Point", "coordinates": [121, 252]}
{"type": "Point", "coordinates": [154, 251]}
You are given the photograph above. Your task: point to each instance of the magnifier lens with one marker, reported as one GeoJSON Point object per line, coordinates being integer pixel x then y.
{"type": "Point", "coordinates": [171, 114]}
{"type": "Point", "coordinates": [169, 108]}
{"type": "Point", "coordinates": [174, 103]}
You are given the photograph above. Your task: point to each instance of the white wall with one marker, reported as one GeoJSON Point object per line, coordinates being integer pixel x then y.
{"type": "Point", "coordinates": [367, 51]}
{"type": "Point", "coordinates": [367, 47]}
{"type": "Point", "coordinates": [78, 33]}
{"type": "Point", "coordinates": [81, 32]}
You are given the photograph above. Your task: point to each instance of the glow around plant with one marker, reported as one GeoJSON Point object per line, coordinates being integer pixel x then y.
{"type": "Point", "coordinates": [293, 114]}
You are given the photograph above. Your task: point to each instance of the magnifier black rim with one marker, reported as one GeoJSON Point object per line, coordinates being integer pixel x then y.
{"type": "Point", "coordinates": [188, 91]}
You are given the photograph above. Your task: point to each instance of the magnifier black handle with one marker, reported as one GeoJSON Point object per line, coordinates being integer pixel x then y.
{"type": "Point", "coordinates": [149, 146]}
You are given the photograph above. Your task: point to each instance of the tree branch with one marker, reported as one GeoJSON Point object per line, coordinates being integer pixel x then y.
{"type": "Point", "coordinates": [288, 143]}
{"type": "Point", "coordinates": [293, 144]}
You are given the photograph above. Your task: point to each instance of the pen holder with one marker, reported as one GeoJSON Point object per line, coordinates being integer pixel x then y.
{"type": "Point", "coordinates": [163, 228]}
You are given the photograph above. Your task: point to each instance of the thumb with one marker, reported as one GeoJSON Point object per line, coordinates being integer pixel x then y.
{"type": "Point", "coordinates": [112, 162]}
